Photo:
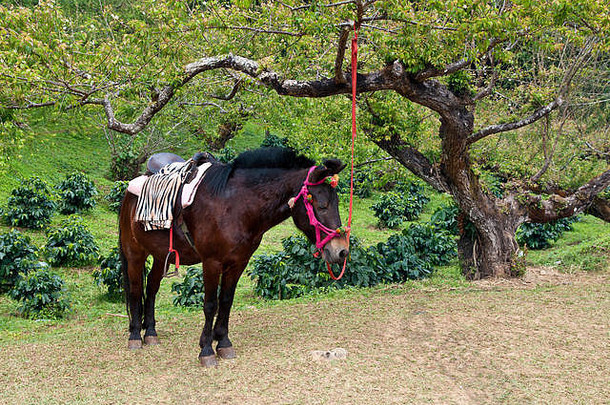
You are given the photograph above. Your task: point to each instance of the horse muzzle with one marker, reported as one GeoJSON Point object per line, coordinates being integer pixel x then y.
{"type": "Point", "coordinates": [336, 250]}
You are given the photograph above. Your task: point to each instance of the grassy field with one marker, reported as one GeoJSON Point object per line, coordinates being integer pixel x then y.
{"type": "Point", "coordinates": [541, 339]}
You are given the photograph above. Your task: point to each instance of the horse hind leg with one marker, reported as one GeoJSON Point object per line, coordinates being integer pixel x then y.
{"type": "Point", "coordinates": [152, 287]}
{"type": "Point", "coordinates": [134, 283]}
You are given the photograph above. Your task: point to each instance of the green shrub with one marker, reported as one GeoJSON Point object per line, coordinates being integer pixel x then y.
{"type": "Point", "coordinates": [389, 210]}
{"type": "Point", "coordinates": [190, 291]}
{"type": "Point", "coordinates": [445, 218]}
{"type": "Point", "coordinates": [272, 140]}
{"type": "Point", "coordinates": [540, 236]}
{"type": "Point", "coordinates": [17, 258]}
{"type": "Point", "coordinates": [431, 245]}
{"type": "Point", "coordinates": [363, 185]}
{"type": "Point", "coordinates": [116, 194]}
{"type": "Point", "coordinates": [295, 271]}
{"type": "Point", "coordinates": [30, 205]}
{"type": "Point", "coordinates": [226, 154]}
{"type": "Point", "coordinates": [401, 259]}
{"type": "Point", "coordinates": [110, 273]}
{"type": "Point", "coordinates": [125, 164]}
{"type": "Point", "coordinates": [70, 244]}
{"type": "Point", "coordinates": [42, 295]}
{"type": "Point", "coordinates": [414, 199]}
{"type": "Point", "coordinates": [76, 192]}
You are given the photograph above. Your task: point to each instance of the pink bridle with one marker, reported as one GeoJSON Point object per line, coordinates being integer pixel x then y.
{"type": "Point", "coordinates": [318, 226]}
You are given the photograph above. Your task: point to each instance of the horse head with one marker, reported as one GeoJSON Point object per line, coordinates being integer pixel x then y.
{"type": "Point", "coordinates": [316, 211]}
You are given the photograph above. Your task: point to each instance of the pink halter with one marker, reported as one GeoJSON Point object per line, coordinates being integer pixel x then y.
{"type": "Point", "coordinates": [318, 226]}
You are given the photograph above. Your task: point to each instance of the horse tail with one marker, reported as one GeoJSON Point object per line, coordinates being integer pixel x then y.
{"type": "Point", "coordinates": [123, 260]}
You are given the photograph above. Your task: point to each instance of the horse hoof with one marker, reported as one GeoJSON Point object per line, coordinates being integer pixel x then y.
{"type": "Point", "coordinates": [226, 352]}
{"type": "Point", "coordinates": [208, 361]}
{"type": "Point", "coordinates": [134, 344]}
{"type": "Point", "coordinates": [151, 340]}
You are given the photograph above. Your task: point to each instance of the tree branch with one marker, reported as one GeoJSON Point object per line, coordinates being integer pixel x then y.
{"type": "Point", "coordinates": [542, 210]}
{"type": "Point", "coordinates": [339, 76]}
{"type": "Point", "coordinates": [509, 126]}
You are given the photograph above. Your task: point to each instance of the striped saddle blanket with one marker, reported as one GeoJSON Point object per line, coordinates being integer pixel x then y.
{"type": "Point", "coordinates": [157, 194]}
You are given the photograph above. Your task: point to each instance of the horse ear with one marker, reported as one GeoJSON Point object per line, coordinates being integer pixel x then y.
{"type": "Point", "coordinates": [330, 167]}
{"type": "Point", "coordinates": [334, 166]}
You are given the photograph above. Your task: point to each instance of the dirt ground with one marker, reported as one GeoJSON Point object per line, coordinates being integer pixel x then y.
{"type": "Point", "coordinates": [543, 339]}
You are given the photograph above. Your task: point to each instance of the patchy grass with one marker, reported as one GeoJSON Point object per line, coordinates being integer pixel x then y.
{"type": "Point", "coordinates": [480, 343]}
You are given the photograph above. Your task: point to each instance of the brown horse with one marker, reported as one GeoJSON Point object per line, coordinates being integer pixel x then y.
{"type": "Point", "coordinates": [234, 206]}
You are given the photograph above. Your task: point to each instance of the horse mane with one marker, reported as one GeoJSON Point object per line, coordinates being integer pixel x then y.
{"type": "Point", "coordinates": [218, 175]}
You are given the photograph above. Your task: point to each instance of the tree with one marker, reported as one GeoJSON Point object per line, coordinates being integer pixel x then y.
{"type": "Point", "coordinates": [530, 63]}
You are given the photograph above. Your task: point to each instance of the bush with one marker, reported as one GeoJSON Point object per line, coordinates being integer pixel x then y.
{"type": "Point", "coordinates": [17, 258]}
{"type": "Point", "coordinates": [42, 295]}
{"type": "Point", "coordinates": [116, 194]}
{"type": "Point", "coordinates": [540, 236]}
{"type": "Point", "coordinates": [272, 141]}
{"type": "Point", "coordinates": [414, 199]}
{"type": "Point", "coordinates": [190, 291]}
{"type": "Point", "coordinates": [30, 205]}
{"type": "Point", "coordinates": [110, 273]}
{"type": "Point", "coordinates": [402, 262]}
{"type": "Point", "coordinates": [76, 192]}
{"type": "Point", "coordinates": [431, 245]}
{"type": "Point", "coordinates": [70, 244]}
{"type": "Point", "coordinates": [445, 218]}
{"type": "Point", "coordinates": [363, 185]}
{"type": "Point", "coordinates": [389, 210]}
{"type": "Point", "coordinates": [226, 154]}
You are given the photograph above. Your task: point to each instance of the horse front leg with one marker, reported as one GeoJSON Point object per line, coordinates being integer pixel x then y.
{"type": "Point", "coordinates": [224, 348]}
{"type": "Point", "coordinates": [211, 277]}
{"type": "Point", "coordinates": [152, 288]}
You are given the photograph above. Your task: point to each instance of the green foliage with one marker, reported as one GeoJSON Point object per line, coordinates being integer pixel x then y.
{"type": "Point", "coordinates": [390, 210]}
{"type": "Point", "coordinates": [414, 197]}
{"type": "Point", "coordinates": [431, 245]}
{"type": "Point", "coordinates": [17, 258]}
{"type": "Point", "coordinates": [460, 82]}
{"type": "Point", "coordinates": [226, 154]}
{"type": "Point", "coordinates": [190, 291]}
{"type": "Point", "coordinates": [116, 194]}
{"type": "Point", "coordinates": [70, 244]}
{"type": "Point", "coordinates": [125, 165]}
{"type": "Point", "coordinates": [540, 236]}
{"type": "Point", "coordinates": [42, 295]}
{"type": "Point", "coordinates": [30, 205]}
{"type": "Point", "coordinates": [295, 271]}
{"type": "Point", "coordinates": [406, 202]}
{"type": "Point", "coordinates": [272, 140]}
{"type": "Point", "coordinates": [110, 273]}
{"type": "Point", "coordinates": [76, 192]}
{"type": "Point", "coordinates": [445, 218]}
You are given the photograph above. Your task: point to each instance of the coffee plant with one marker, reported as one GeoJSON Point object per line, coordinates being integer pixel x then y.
{"type": "Point", "coordinates": [17, 258]}
{"type": "Point", "coordinates": [540, 236]}
{"type": "Point", "coordinates": [272, 140]}
{"type": "Point", "coordinates": [389, 210]}
{"type": "Point", "coordinates": [70, 244]}
{"type": "Point", "coordinates": [116, 194]}
{"type": "Point", "coordinates": [190, 291]}
{"type": "Point", "coordinates": [30, 205]}
{"type": "Point", "coordinates": [42, 295]}
{"type": "Point", "coordinates": [77, 193]}
{"type": "Point", "coordinates": [414, 199]}
{"type": "Point", "coordinates": [110, 273]}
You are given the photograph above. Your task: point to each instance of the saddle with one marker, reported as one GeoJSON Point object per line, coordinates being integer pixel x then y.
{"type": "Point", "coordinates": [160, 160]}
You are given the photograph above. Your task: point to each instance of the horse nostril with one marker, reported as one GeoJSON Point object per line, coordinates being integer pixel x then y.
{"type": "Point", "coordinates": [343, 253]}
